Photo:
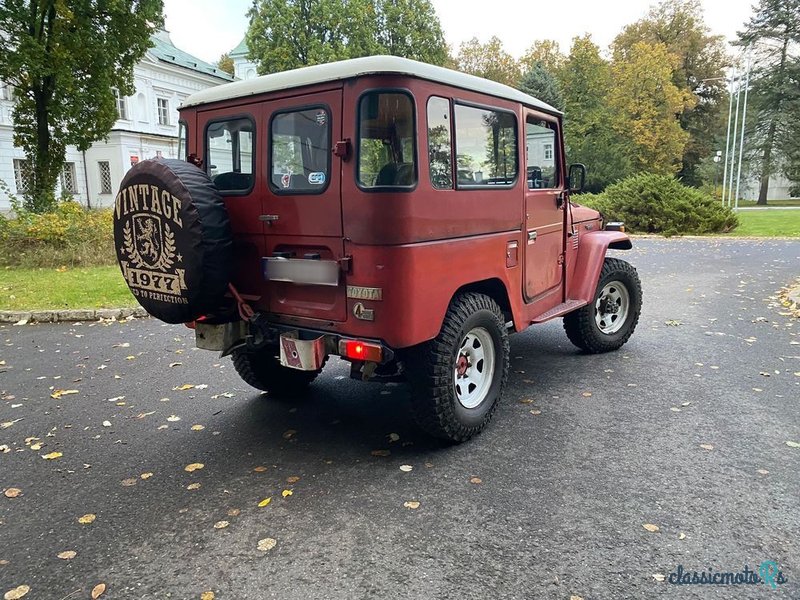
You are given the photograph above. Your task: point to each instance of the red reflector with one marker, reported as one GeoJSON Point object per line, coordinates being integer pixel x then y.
{"type": "Point", "coordinates": [357, 350]}
{"type": "Point", "coordinates": [190, 324]}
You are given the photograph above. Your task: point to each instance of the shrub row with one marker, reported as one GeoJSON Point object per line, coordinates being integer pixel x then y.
{"type": "Point", "coordinates": [661, 204]}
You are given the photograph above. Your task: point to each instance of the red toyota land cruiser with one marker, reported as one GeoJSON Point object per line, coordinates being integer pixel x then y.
{"type": "Point", "coordinates": [402, 216]}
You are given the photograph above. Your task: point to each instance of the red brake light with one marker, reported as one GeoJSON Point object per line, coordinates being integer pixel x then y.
{"type": "Point", "coordinates": [358, 350]}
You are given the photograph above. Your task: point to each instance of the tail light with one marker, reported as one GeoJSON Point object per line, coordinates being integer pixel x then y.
{"type": "Point", "coordinates": [358, 350]}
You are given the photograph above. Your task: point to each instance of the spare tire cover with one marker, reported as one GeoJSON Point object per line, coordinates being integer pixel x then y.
{"type": "Point", "coordinates": [173, 239]}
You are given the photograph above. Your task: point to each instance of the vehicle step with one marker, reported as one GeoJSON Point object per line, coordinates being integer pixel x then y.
{"type": "Point", "coordinates": [560, 310]}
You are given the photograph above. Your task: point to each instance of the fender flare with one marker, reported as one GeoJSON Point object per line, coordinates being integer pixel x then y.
{"type": "Point", "coordinates": [589, 262]}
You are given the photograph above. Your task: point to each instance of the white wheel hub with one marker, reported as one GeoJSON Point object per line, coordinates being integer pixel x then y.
{"type": "Point", "coordinates": [474, 368]}
{"type": "Point", "coordinates": [612, 307]}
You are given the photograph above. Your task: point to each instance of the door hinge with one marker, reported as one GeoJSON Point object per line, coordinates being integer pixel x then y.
{"type": "Point", "coordinates": [346, 264]}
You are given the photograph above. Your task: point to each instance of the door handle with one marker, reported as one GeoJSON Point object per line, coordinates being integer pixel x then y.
{"type": "Point", "coordinates": [268, 219]}
{"type": "Point", "coordinates": [532, 235]}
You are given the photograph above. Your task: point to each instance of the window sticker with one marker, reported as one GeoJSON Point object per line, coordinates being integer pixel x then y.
{"type": "Point", "coordinates": [322, 118]}
{"type": "Point", "coordinates": [286, 180]}
{"type": "Point", "coordinates": [317, 178]}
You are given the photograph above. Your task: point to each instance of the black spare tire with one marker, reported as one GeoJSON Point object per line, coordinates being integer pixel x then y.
{"type": "Point", "coordinates": [173, 239]}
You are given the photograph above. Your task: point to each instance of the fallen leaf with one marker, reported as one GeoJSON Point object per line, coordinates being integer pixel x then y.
{"type": "Point", "coordinates": [19, 591]}
{"type": "Point", "coordinates": [681, 536]}
{"type": "Point", "coordinates": [406, 468]}
{"type": "Point", "coordinates": [206, 595]}
{"type": "Point", "coordinates": [87, 519]}
{"type": "Point", "coordinates": [762, 472]}
{"type": "Point", "coordinates": [4, 448]}
{"type": "Point", "coordinates": [393, 437]}
{"type": "Point", "coordinates": [651, 528]}
{"type": "Point", "coordinates": [198, 427]}
{"type": "Point", "coordinates": [412, 504]}
{"type": "Point", "coordinates": [12, 492]}
{"type": "Point", "coordinates": [145, 414]}
{"type": "Point", "coordinates": [266, 544]}
{"type": "Point", "coordinates": [260, 469]}
{"type": "Point", "coordinates": [175, 364]}
{"type": "Point", "coordinates": [221, 524]}
{"type": "Point", "coordinates": [234, 512]}
{"type": "Point", "coordinates": [8, 424]}
{"type": "Point", "coordinates": [173, 418]}
{"type": "Point", "coordinates": [292, 479]}
{"type": "Point", "coordinates": [264, 502]}
{"type": "Point", "coordinates": [193, 486]}
{"type": "Point", "coordinates": [286, 493]}
{"type": "Point", "coordinates": [526, 401]}
{"type": "Point", "coordinates": [184, 387]}
{"type": "Point", "coordinates": [193, 467]}
{"type": "Point", "coordinates": [476, 480]}
{"type": "Point", "coordinates": [130, 482]}
{"type": "Point", "coordinates": [381, 452]}
{"type": "Point", "coordinates": [792, 444]}
{"type": "Point", "coordinates": [201, 386]}
{"type": "Point", "coordinates": [106, 423]}
{"type": "Point", "coordinates": [58, 393]}
{"type": "Point", "coordinates": [98, 590]}
{"type": "Point", "coordinates": [146, 475]}
{"type": "Point", "coordinates": [706, 446]}
{"type": "Point", "coordinates": [536, 412]}
{"type": "Point", "coordinates": [587, 394]}
{"type": "Point", "coordinates": [67, 554]}
{"type": "Point", "coordinates": [575, 597]}
{"type": "Point", "coordinates": [52, 456]}
{"type": "Point", "coordinates": [288, 434]}
{"type": "Point", "coordinates": [659, 576]}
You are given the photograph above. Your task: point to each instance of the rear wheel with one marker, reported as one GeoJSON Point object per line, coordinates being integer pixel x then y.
{"type": "Point", "coordinates": [608, 322]}
{"type": "Point", "coordinates": [262, 369]}
{"type": "Point", "coordinates": [458, 377]}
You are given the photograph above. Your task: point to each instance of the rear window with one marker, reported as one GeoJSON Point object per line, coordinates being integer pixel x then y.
{"type": "Point", "coordinates": [300, 156]}
{"type": "Point", "coordinates": [386, 141]}
{"type": "Point", "coordinates": [230, 155]}
{"type": "Point", "coordinates": [486, 147]}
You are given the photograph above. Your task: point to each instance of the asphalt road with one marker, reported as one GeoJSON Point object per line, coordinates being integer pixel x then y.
{"type": "Point", "coordinates": [563, 495]}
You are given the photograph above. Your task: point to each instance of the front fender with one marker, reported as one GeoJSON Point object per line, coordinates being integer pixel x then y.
{"type": "Point", "coordinates": [589, 262]}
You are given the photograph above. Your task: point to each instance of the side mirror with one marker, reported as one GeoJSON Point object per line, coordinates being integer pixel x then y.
{"type": "Point", "coordinates": [576, 179]}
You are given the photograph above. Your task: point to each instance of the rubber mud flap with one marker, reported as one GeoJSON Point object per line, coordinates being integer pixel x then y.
{"type": "Point", "coordinates": [173, 239]}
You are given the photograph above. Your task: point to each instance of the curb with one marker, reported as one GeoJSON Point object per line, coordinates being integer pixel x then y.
{"type": "Point", "coordinates": [22, 317]}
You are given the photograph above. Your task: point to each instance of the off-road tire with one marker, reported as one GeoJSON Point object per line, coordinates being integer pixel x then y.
{"type": "Point", "coordinates": [262, 370]}
{"type": "Point", "coordinates": [431, 370]}
{"type": "Point", "coordinates": [581, 326]}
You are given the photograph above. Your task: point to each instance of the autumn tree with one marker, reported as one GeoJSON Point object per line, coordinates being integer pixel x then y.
{"type": "Point", "coordinates": [588, 133]}
{"type": "Point", "coordinates": [545, 52]}
{"type": "Point", "coordinates": [65, 58]}
{"type": "Point", "coordinates": [698, 68]}
{"type": "Point", "coordinates": [286, 34]}
{"type": "Point", "coordinates": [489, 60]}
{"type": "Point", "coordinates": [538, 82]}
{"type": "Point", "coordinates": [774, 35]}
{"type": "Point", "coordinates": [645, 104]}
{"type": "Point", "coordinates": [225, 63]}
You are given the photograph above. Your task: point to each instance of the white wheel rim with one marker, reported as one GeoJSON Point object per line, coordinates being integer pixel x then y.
{"type": "Point", "coordinates": [474, 368]}
{"type": "Point", "coordinates": [612, 307]}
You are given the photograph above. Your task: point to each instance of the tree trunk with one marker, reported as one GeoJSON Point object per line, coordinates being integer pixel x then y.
{"type": "Point", "coordinates": [766, 166]}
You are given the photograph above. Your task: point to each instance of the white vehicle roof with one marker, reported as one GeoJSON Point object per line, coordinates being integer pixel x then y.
{"type": "Point", "coordinates": [357, 67]}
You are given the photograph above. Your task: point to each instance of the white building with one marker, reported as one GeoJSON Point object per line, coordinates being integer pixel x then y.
{"type": "Point", "coordinates": [243, 67]}
{"type": "Point", "coordinates": [147, 127]}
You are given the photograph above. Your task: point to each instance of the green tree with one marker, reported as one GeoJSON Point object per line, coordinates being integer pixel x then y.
{"type": "Point", "coordinates": [489, 60]}
{"type": "Point", "coordinates": [644, 102]}
{"type": "Point", "coordinates": [65, 58]}
{"type": "Point", "coordinates": [699, 69]}
{"type": "Point", "coordinates": [588, 133]}
{"type": "Point", "coordinates": [411, 29]}
{"type": "Point", "coordinates": [774, 34]}
{"type": "Point", "coordinates": [225, 63]}
{"type": "Point", "coordinates": [545, 52]}
{"type": "Point", "coordinates": [538, 82]}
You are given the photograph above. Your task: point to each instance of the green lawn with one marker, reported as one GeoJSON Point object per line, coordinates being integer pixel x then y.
{"type": "Point", "coordinates": [51, 289]}
{"type": "Point", "coordinates": [749, 203]}
{"type": "Point", "coordinates": [768, 223]}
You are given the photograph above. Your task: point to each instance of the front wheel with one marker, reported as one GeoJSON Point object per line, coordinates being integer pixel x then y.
{"type": "Point", "coordinates": [262, 369]}
{"type": "Point", "coordinates": [606, 323]}
{"type": "Point", "coordinates": [458, 377]}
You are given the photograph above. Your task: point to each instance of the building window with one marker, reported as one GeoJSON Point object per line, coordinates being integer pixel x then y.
{"type": "Point", "coordinates": [548, 151]}
{"type": "Point", "coordinates": [386, 142]}
{"type": "Point", "coordinates": [5, 91]}
{"type": "Point", "coordinates": [300, 151]}
{"type": "Point", "coordinates": [68, 182]}
{"type": "Point", "coordinates": [163, 111]}
{"type": "Point", "coordinates": [122, 109]}
{"type": "Point", "coordinates": [440, 152]}
{"type": "Point", "coordinates": [486, 147]}
{"type": "Point", "coordinates": [23, 177]}
{"type": "Point", "coordinates": [105, 176]}
{"type": "Point", "coordinates": [231, 161]}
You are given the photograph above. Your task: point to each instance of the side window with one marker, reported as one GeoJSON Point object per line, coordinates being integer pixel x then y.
{"type": "Point", "coordinates": [540, 143]}
{"type": "Point", "coordinates": [386, 142]}
{"type": "Point", "coordinates": [182, 137]}
{"type": "Point", "coordinates": [486, 147]}
{"type": "Point", "coordinates": [300, 159]}
{"type": "Point", "coordinates": [230, 158]}
{"type": "Point", "coordinates": [440, 153]}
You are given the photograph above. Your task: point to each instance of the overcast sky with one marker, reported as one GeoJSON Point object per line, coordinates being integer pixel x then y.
{"type": "Point", "coordinates": [208, 28]}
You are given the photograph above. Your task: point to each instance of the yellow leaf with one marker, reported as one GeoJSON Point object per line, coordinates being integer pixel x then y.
{"type": "Point", "coordinates": [706, 446]}
{"type": "Point", "coordinates": [413, 504]}
{"type": "Point", "coordinates": [659, 576]}
{"type": "Point", "coordinates": [264, 502]}
{"type": "Point", "coordinates": [193, 486]}
{"type": "Point", "coordinates": [526, 401]}
{"type": "Point", "coordinates": [58, 393]}
{"type": "Point", "coordinates": [260, 469]}
{"type": "Point", "coordinates": [286, 493]}
{"type": "Point", "coordinates": [681, 536]}
{"type": "Point", "coordinates": [173, 418]}
{"type": "Point", "coordinates": [184, 387]}
{"type": "Point", "coordinates": [146, 475]}
{"type": "Point", "coordinates": [7, 424]}
{"type": "Point", "coordinates": [266, 544]}
{"type": "Point", "coordinates": [587, 394]}
{"type": "Point", "coordinates": [131, 357]}
{"type": "Point", "coordinates": [98, 590]}
{"type": "Point", "coordinates": [193, 467]}
{"type": "Point", "coordinates": [87, 519]}
{"type": "Point", "coordinates": [207, 595]}
{"type": "Point", "coordinates": [67, 554]}
{"type": "Point", "coordinates": [406, 468]}
{"type": "Point", "coordinates": [792, 444]}
{"type": "Point", "coordinates": [476, 480]}
{"type": "Point", "coordinates": [12, 492]}
{"type": "Point", "coordinates": [651, 528]}
{"type": "Point", "coordinates": [221, 524]}
{"type": "Point", "coordinates": [52, 456]}
{"type": "Point", "coordinates": [17, 593]}
{"type": "Point", "coordinates": [573, 597]}
{"type": "Point", "coordinates": [198, 427]}
{"type": "Point", "coordinates": [292, 479]}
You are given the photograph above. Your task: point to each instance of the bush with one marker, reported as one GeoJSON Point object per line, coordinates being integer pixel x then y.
{"type": "Point", "coordinates": [68, 236]}
{"type": "Point", "coordinates": [661, 204]}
